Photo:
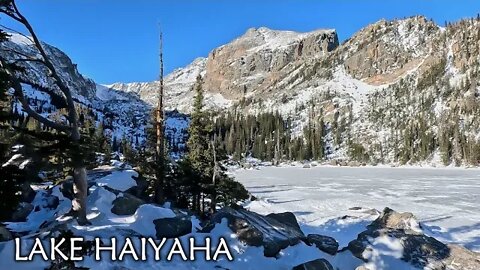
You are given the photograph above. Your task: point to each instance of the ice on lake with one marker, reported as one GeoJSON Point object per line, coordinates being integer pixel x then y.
{"type": "Point", "coordinates": [445, 201]}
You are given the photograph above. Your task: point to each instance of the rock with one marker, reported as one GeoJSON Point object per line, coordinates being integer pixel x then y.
{"type": "Point", "coordinates": [353, 164]}
{"type": "Point", "coordinates": [306, 166]}
{"type": "Point", "coordinates": [247, 166]}
{"type": "Point", "coordinates": [28, 194]}
{"type": "Point", "coordinates": [333, 162]}
{"type": "Point", "coordinates": [21, 213]}
{"type": "Point", "coordinates": [418, 249]}
{"type": "Point", "coordinates": [462, 259]}
{"type": "Point", "coordinates": [249, 55]}
{"type": "Point", "coordinates": [126, 205]}
{"type": "Point", "coordinates": [274, 232]}
{"type": "Point", "coordinates": [343, 163]}
{"type": "Point", "coordinates": [66, 187]}
{"type": "Point", "coordinates": [140, 189]}
{"type": "Point", "coordinates": [5, 235]}
{"type": "Point", "coordinates": [391, 219]}
{"type": "Point", "coordinates": [51, 202]}
{"type": "Point", "coordinates": [326, 244]}
{"type": "Point", "coordinates": [318, 264]}
{"type": "Point", "coordinates": [173, 227]}
{"type": "Point", "coordinates": [287, 218]}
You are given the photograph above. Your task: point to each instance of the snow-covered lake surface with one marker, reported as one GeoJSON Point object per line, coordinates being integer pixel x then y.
{"type": "Point", "coordinates": [445, 201]}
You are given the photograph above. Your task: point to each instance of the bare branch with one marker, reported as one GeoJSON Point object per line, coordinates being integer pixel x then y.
{"type": "Point", "coordinates": [16, 31]}
{"type": "Point", "coordinates": [42, 51]}
{"type": "Point", "coordinates": [54, 95]}
{"type": "Point", "coordinates": [18, 92]}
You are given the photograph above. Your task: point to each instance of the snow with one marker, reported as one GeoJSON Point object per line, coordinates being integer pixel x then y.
{"type": "Point", "coordinates": [445, 200]}
{"type": "Point", "coordinates": [385, 253]}
{"type": "Point", "coordinates": [107, 94]}
{"type": "Point", "coordinates": [20, 39]}
{"type": "Point", "coordinates": [276, 39]}
{"type": "Point", "coordinates": [119, 180]}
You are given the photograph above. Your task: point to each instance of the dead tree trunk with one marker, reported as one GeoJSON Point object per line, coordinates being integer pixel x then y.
{"type": "Point", "coordinates": [160, 143]}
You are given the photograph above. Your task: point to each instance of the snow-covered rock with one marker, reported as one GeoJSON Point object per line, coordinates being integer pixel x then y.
{"type": "Point", "coordinates": [260, 231]}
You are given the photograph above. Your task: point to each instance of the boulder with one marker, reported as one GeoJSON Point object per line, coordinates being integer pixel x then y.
{"type": "Point", "coordinates": [5, 234]}
{"type": "Point", "coordinates": [287, 218]}
{"type": "Point", "coordinates": [306, 166]}
{"type": "Point", "coordinates": [21, 213]}
{"type": "Point", "coordinates": [274, 232]}
{"type": "Point", "coordinates": [173, 227]}
{"type": "Point", "coordinates": [391, 219]}
{"type": "Point", "coordinates": [353, 164]}
{"type": "Point", "coordinates": [343, 163]}
{"type": "Point", "coordinates": [247, 166]}
{"type": "Point", "coordinates": [126, 205]}
{"type": "Point", "coordinates": [28, 194]}
{"type": "Point", "coordinates": [462, 258]}
{"type": "Point", "coordinates": [324, 243]}
{"type": "Point", "coordinates": [140, 189]}
{"type": "Point", "coordinates": [66, 187]}
{"type": "Point", "coordinates": [418, 249]}
{"type": "Point", "coordinates": [318, 264]}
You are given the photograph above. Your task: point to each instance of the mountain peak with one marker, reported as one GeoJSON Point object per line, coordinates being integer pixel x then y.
{"type": "Point", "coordinates": [278, 38]}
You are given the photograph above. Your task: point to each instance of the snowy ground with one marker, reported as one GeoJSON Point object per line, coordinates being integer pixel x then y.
{"type": "Point", "coordinates": [446, 201]}
{"type": "Point", "coordinates": [443, 200]}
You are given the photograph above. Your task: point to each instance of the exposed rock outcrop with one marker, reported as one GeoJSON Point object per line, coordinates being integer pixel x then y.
{"type": "Point", "coordinates": [256, 230]}
{"type": "Point", "coordinates": [173, 227]}
{"type": "Point", "coordinates": [126, 204]}
{"type": "Point", "coordinates": [324, 243]}
{"type": "Point", "coordinates": [418, 249]}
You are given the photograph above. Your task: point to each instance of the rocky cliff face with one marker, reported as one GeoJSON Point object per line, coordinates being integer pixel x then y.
{"type": "Point", "coordinates": [387, 50]}
{"type": "Point", "coordinates": [255, 62]}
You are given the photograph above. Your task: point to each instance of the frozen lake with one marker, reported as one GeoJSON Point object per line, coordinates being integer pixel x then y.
{"type": "Point", "coordinates": [446, 201]}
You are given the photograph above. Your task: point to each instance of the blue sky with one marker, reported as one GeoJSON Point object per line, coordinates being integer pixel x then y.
{"type": "Point", "coordinates": [117, 40]}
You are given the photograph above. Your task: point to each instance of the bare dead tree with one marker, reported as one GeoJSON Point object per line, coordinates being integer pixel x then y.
{"type": "Point", "coordinates": [160, 143]}
{"type": "Point", "coordinates": [10, 9]}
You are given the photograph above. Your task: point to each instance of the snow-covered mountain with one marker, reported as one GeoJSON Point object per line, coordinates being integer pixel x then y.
{"type": "Point", "coordinates": [382, 85]}
{"type": "Point", "coordinates": [396, 92]}
{"type": "Point", "coordinates": [123, 114]}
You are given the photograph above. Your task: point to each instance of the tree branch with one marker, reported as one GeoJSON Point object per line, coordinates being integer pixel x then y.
{"type": "Point", "coordinates": [58, 81]}
{"type": "Point", "coordinates": [18, 92]}
{"type": "Point", "coordinates": [15, 31]}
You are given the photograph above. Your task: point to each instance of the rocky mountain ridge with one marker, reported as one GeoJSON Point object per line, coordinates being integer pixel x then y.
{"type": "Point", "coordinates": [378, 88]}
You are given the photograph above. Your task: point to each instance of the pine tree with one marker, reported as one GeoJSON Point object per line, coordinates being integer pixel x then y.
{"type": "Point", "coordinates": [199, 156]}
